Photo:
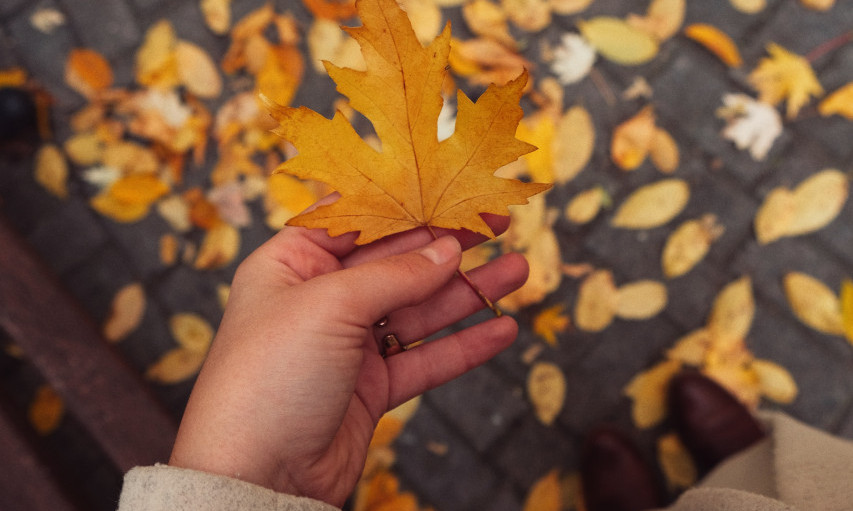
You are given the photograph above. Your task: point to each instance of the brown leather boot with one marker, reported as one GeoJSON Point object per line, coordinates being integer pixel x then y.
{"type": "Point", "coordinates": [711, 422]}
{"type": "Point", "coordinates": [614, 474]}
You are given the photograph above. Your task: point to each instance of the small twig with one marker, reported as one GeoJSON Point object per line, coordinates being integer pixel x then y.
{"type": "Point", "coordinates": [829, 46]}
{"type": "Point", "coordinates": [480, 294]}
{"type": "Point", "coordinates": [603, 87]}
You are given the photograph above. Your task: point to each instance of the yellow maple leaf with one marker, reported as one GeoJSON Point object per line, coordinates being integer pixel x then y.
{"type": "Point", "coordinates": [785, 75]}
{"type": "Point", "coordinates": [415, 180]}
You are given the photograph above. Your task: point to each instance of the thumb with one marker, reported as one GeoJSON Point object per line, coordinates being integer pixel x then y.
{"type": "Point", "coordinates": [371, 290]}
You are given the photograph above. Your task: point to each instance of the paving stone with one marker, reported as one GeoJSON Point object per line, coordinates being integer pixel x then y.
{"type": "Point", "coordinates": [692, 295]}
{"type": "Point", "coordinates": [505, 499]}
{"type": "Point", "coordinates": [60, 241]}
{"type": "Point", "coordinates": [43, 55]}
{"type": "Point", "coordinates": [480, 404]}
{"type": "Point", "coordinates": [553, 448]}
{"type": "Point", "coordinates": [23, 202]}
{"type": "Point", "coordinates": [140, 241]}
{"type": "Point", "coordinates": [10, 7]}
{"type": "Point", "coordinates": [109, 26]}
{"type": "Point", "coordinates": [104, 270]}
{"type": "Point", "coordinates": [820, 364]}
{"type": "Point", "coordinates": [7, 56]}
{"type": "Point", "coordinates": [456, 481]}
{"type": "Point", "coordinates": [187, 290]}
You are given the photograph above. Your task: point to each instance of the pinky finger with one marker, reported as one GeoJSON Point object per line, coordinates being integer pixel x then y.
{"type": "Point", "coordinates": [415, 371]}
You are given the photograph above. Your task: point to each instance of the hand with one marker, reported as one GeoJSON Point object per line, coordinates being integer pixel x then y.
{"type": "Point", "coordinates": [294, 384]}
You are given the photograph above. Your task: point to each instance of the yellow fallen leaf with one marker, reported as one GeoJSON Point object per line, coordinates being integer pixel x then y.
{"type": "Point", "coordinates": [126, 311]}
{"type": "Point", "coordinates": [288, 197]}
{"type": "Point", "coordinates": [191, 331]}
{"type": "Point", "coordinates": [749, 6]}
{"type": "Point", "coordinates": [847, 308]}
{"type": "Point", "coordinates": [664, 152]}
{"type": "Point", "coordinates": [46, 410]}
{"type": "Point", "coordinates": [689, 244]}
{"type": "Point", "coordinates": [632, 139]}
{"type": "Point", "coordinates": [550, 322]}
{"type": "Point", "coordinates": [168, 249]}
{"type": "Point", "coordinates": [138, 188]}
{"type": "Point", "coordinates": [716, 41]}
{"type": "Point", "coordinates": [775, 381]}
{"type": "Point", "coordinates": [652, 205]}
{"type": "Point", "coordinates": [663, 18]}
{"type": "Point", "coordinates": [839, 102]}
{"type": "Point", "coordinates": [118, 210]}
{"type": "Point", "coordinates": [545, 494]}
{"type": "Point", "coordinates": [814, 303]}
{"type": "Point", "coordinates": [546, 388]}
{"type": "Point", "coordinates": [281, 74]}
{"type": "Point", "coordinates": [585, 206]}
{"type": "Point", "coordinates": [574, 142]}
{"type": "Point", "coordinates": [218, 248]}
{"type": "Point", "coordinates": [425, 17]}
{"type": "Point", "coordinates": [88, 72]}
{"type": "Point", "coordinates": [692, 347]}
{"type": "Point", "coordinates": [52, 170]}
{"type": "Point", "coordinates": [197, 71]}
{"type": "Point", "coordinates": [597, 302]}
{"type": "Point", "coordinates": [732, 313]}
{"type": "Point", "coordinates": [156, 61]}
{"type": "Point", "coordinates": [13, 77]}
{"type": "Point", "coordinates": [676, 463]}
{"type": "Point", "coordinates": [618, 41]}
{"type": "Point", "coordinates": [812, 205]}
{"type": "Point", "coordinates": [642, 299]}
{"type": "Point", "coordinates": [488, 19]}
{"type": "Point", "coordinates": [648, 391]}
{"type": "Point", "coordinates": [568, 6]}
{"type": "Point", "coordinates": [785, 75]}
{"type": "Point", "coordinates": [818, 5]}
{"type": "Point", "coordinates": [538, 131]}
{"type": "Point", "coordinates": [175, 366]}
{"type": "Point", "coordinates": [528, 15]}
{"type": "Point", "coordinates": [739, 379]}
{"type": "Point", "coordinates": [84, 149]}
{"type": "Point", "coordinates": [217, 15]}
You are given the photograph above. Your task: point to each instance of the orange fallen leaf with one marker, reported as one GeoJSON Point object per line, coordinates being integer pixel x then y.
{"type": "Point", "coordinates": [846, 299]}
{"type": "Point", "coordinates": [716, 41]}
{"type": "Point", "coordinates": [818, 5]}
{"type": "Point", "coordinates": [632, 139]}
{"type": "Point", "coordinates": [331, 9]}
{"type": "Point", "coordinates": [88, 72]}
{"type": "Point", "coordinates": [546, 494]}
{"type": "Point", "coordinates": [550, 322]}
{"type": "Point", "coordinates": [415, 181]}
{"type": "Point", "coordinates": [46, 410]}
{"type": "Point", "coordinates": [839, 102]}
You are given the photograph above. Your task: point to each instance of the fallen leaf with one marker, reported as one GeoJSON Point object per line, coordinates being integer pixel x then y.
{"type": "Point", "coordinates": [546, 387]}
{"type": "Point", "coordinates": [129, 198]}
{"type": "Point", "coordinates": [488, 19]}
{"type": "Point", "coordinates": [550, 322]}
{"type": "Point", "coordinates": [675, 461]}
{"type": "Point", "coordinates": [814, 303]}
{"type": "Point", "coordinates": [542, 251]}
{"type": "Point", "coordinates": [52, 170]}
{"type": "Point", "coordinates": [425, 17]}
{"type": "Point", "coordinates": [663, 18]}
{"type": "Point", "coordinates": [381, 492]}
{"type": "Point", "coordinates": [647, 392]}
{"type": "Point", "coordinates": [331, 9]}
{"type": "Point", "coordinates": [572, 59]}
{"type": "Point", "coordinates": [688, 244]}
{"type": "Point", "coordinates": [618, 41]}
{"type": "Point", "coordinates": [574, 142]}
{"type": "Point", "coordinates": [812, 205]}
{"type": "Point", "coordinates": [642, 299]}
{"type": "Point", "coordinates": [664, 152]}
{"type": "Point", "coordinates": [775, 381]}
{"type": "Point", "coordinates": [327, 42]}
{"type": "Point", "coordinates": [46, 410]}
{"type": "Point", "coordinates": [732, 313]}
{"type": "Point", "coordinates": [785, 75]}
{"type": "Point", "coordinates": [538, 131]}
{"type": "Point", "coordinates": [156, 62]}
{"type": "Point", "coordinates": [716, 41]}
{"type": "Point", "coordinates": [168, 249]}
{"type": "Point", "coordinates": [568, 6]}
{"type": "Point", "coordinates": [219, 248]}
{"type": "Point", "coordinates": [415, 181]}
{"type": "Point", "coordinates": [196, 70]}
{"type": "Point", "coordinates": [597, 302]}
{"type": "Point", "coordinates": [88, 72]}
{"type": "Point", "coordinates": [84, 149]}
{"type": "Point", "coordinates": [839, 102]}
{"type": "Point", "coordinates": [751, 124]}
{"type": "Point", "coordinates": [652, 205]}
{"type": "Point", "coordinates": [126, 311]}
{"type": "Point", "coordinates": [847, 308]}
{"type": "Point", "coordinates": [46, 19]}
{"type": "Point", "coordinates": [191, 331]}
{"type": "Point", "coordinates": [632, 139]}
{"type": "Point", "coordinates": [175, 366]}
{"type": "Point", "coordinates": [749, 6]}
{"type": "Point", "coordinates": [692, 348]}
{"type": "Point", "coordinates": [528, 15]}
{"type": "Point", "coordinates": [484, 61]}
{"type": "Point", "coordinates": [217, 15]}
{"type": "Point", "coordinates": [818, 5]}
{"type": "Point", "coordinates": [585, 206]}
{"type": "Point", "coordinates": [545, 494]}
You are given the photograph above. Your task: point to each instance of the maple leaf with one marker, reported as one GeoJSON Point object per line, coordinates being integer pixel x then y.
{"type": "Point", "coordinates": [415, 180]}
{"type": "Point", "coordinates": [785, 75]}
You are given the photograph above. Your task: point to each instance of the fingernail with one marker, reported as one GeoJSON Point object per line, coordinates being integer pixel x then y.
{"type": "Point", "coordinates": [441, 250]}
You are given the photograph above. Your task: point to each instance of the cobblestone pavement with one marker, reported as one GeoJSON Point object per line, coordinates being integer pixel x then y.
{"type": "Point", "coordinates": [495, 446]}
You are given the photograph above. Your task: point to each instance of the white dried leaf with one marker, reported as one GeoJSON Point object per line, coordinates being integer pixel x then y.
{"type": "Point", "coordinates": [752, 125]}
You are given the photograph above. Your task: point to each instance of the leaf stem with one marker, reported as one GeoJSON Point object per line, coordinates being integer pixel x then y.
{"type": "Point", "coordinates": [480, 294]}
{"type": "Point", "coordinates": [830, 45]}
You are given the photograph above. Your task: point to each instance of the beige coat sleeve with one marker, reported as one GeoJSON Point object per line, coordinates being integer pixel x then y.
{"type": "Point", "coordinates": [161, 488]}
{"type": "Point", "coordinates": [796, 468]}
